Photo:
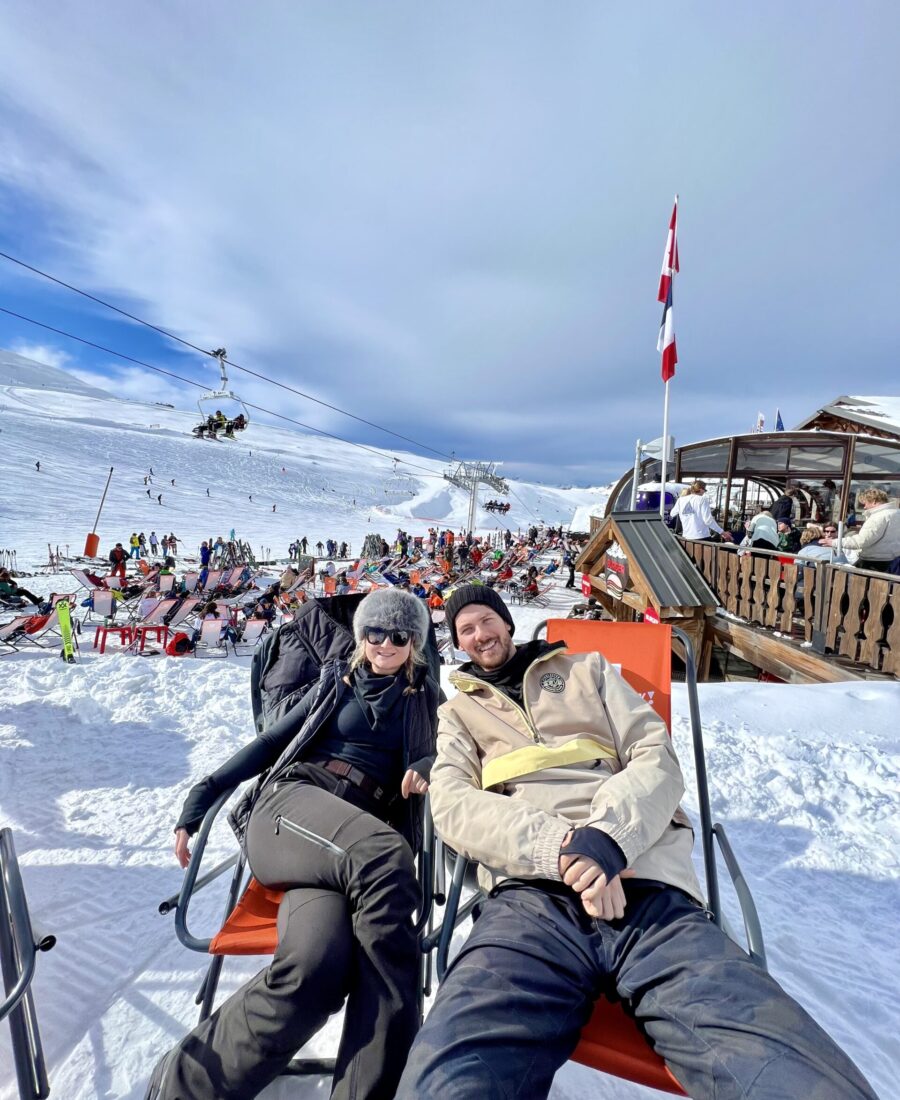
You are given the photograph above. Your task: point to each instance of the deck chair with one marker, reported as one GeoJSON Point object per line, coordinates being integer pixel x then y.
{"type": "Point", "coordinates": [12, 634]}
{"type": "Point", "coordinates": [188, 607]}
{"type": "Point", "coordinates": [189, 580]}
{"type": "Point", "coordinates": [152, 623]}
{"type": "Point", "coordinates": [42, 630]}
{"type": "Point", "coordinates": [251, 914]}
{"type": "Point", "coordinates": [612, 1042]}
{"type": "Point", "coordinates": [253, 631]}
{"type": "Point", "coordinates": [211, 640]}
{"type": "Point", "coordinates": [329, 585]}
{"type": "Point", "coordinates": [166, 583]}
{"type": "Point", "coordinates": [83, 579]}
{"type": "Point", "coordinates": [212, 580]}
{"type": "Point", "coordinates": [103, 605]}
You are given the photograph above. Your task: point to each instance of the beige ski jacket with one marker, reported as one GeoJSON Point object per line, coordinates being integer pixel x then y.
{"type": "Point", "coordinates": [585, 749]}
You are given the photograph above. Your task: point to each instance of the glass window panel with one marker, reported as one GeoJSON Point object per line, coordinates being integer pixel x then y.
{"type": "Point", "coordinates": [712, 459]}
{"type": "Point", "coordinates": [819, 459]}
{"type": "Point", "coordinates": [761, 460]}
{"type": "Point", "coordinates": [876, 459]}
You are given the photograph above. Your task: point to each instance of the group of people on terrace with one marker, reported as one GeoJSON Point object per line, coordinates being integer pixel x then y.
{"type": "Point", "coordinates": [873, 545]}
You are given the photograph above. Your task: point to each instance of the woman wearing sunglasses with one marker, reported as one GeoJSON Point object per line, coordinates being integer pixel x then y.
{"type": "Point", "coordinates": [334, 821]}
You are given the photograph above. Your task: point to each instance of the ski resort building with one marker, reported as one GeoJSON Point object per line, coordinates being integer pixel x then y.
{"type": "Point", "coordinates": [792, 619]}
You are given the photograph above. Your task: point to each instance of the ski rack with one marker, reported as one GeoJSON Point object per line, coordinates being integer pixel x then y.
{"type": "Point", "coordinates": [19, 947]}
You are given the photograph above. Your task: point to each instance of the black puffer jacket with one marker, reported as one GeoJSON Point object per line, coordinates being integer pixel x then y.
{"type": "Point", "coordinates": [287, 663]}
{"type": "Point", "coordinates": [292, 739]}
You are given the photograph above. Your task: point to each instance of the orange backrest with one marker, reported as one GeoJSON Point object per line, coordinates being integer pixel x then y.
{"type": "Point", "coordinates": [612, 1042]}
{"type": "Point", "coordinates": [643, 651]}
{"type": "Point", "coordinates": [329, 584]}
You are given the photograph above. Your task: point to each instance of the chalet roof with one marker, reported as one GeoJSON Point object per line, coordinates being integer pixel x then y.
{"type": "Point", "coordinates": [656, 555]}
{"type": "Point", "coordinates": [873, 412]}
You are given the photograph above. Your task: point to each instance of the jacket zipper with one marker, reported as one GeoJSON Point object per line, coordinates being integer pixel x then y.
{"type": "Point", "coordinates": [524, 711]}
{"type": "Point", "coordinates": [307, 834]}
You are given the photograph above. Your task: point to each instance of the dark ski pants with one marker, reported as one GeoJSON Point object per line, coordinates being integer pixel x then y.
{"type": "Point", "coordinates": [345, 931]}
{"type": "Point", "coordinates": [510, 1010]}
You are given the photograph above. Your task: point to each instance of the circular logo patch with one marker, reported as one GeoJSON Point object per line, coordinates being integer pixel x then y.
{"type": "Point", "coordinates": [552, 681]}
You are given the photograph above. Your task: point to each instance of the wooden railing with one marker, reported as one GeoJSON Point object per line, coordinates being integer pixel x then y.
{"type": "Point", "coordinates": [845, 612]}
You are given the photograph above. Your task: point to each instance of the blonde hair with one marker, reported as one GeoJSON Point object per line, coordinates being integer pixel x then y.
{"type": "Point", "coordinates": [698, 487]}
{"type": "Point", "coordinates": [415, 659]}
{"type": "Point", "coordinates": [872, 496]}
{"type": "Point", "coordinates": [813, 531]}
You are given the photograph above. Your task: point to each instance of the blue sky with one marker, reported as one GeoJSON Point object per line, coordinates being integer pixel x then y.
{"type": "Point", "coordinates": [450, 219]}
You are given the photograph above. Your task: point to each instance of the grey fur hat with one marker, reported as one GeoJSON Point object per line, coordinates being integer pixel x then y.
{"type": "Point", "coordinates": [392, 609]}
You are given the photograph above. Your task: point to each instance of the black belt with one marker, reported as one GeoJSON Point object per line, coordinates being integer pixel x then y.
{"type": "Point", "coordinates": [358, 778]}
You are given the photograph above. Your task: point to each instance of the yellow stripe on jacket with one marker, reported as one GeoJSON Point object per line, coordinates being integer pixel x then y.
{"type": "Point", "coordinates": [535, 758]}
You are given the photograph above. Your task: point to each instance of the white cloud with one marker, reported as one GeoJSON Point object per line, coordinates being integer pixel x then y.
{"type": "Point", "coordinates": [134, 384]}
{"type": "Point", "coordinates": [410, 211]}
{"type": "Point", "coordinates": [42, 353]}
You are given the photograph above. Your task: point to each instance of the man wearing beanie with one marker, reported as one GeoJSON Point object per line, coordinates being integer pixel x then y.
{"type": "Point", "coordinates": [561, 781]}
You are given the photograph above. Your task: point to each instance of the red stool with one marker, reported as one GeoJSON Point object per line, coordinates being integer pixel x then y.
{"type": "Point", "coordinates": [160, 631]}
{"type": "Point", "coordinates": [124, 633]}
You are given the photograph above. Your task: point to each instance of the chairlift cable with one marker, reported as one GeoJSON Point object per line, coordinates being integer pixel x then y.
{"type": "Point", "coordinates": [205, 351]}
{"type": "Point", "coordinates": [524, 505]}
{"type": "Point", "coordinates": [201, 386]}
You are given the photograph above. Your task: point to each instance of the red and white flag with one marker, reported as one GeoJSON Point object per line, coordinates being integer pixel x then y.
{"type": "Point", "coordinates": [665, 345]}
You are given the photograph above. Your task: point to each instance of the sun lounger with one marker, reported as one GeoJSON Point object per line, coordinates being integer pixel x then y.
{"type": "Point", "coordinates": [253, 631]}
{"type": "Point", "coordinates": [212, 641]}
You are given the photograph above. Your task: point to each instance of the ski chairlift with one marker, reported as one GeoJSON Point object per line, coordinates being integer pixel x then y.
{"type": "Point", "coordinates": [221, 410]}
{"type": "Point", "coordinates": [399, 484]}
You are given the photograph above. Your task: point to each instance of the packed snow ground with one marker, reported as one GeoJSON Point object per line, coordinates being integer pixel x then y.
{"type": "Point", "coordinates": [95, 758]}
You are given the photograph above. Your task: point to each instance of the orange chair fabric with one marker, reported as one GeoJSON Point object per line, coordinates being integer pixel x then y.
{"type": "Point", "coordinates": [329, 585]}
{"type": "Point", "coordinates": [251, 929]}
{"type": "Point", "coordinates": [613, 1043]}
{"type": "Point", "coordinates": [642, 650]}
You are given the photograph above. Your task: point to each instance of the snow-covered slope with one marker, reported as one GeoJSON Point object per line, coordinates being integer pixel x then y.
{"type": "Point", "coordinates": [317, 486]}
{"type": "Point", "coordinates": [17, 370]}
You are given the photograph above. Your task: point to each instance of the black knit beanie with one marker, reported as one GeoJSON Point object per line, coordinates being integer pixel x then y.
{"type": "Point", "coordinates": [475, 593]}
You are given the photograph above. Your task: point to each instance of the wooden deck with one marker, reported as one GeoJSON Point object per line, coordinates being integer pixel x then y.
{"type": "Point", "coordinates": [835, 623]}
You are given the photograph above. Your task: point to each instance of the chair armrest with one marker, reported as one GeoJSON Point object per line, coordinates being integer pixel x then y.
{"type": "Point", "coordinates": [752, 926]}
{"type": "Point", "coordinates": [193, 882]}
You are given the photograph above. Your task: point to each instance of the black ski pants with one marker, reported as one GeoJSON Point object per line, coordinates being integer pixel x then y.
{"type": "Point", "coordinates": [511, 1008]}
{"type": "Point", "coordinates": [345, 932]}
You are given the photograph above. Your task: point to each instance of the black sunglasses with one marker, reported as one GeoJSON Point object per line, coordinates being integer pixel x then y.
{"type": "Point", "coordinates": [375, 635]}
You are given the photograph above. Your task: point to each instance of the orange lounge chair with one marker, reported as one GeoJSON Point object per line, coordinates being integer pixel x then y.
{"type": "Point", "coordinates": [612, 1042]}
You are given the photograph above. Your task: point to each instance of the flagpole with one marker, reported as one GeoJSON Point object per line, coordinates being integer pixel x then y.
{"type": "Point", "coordinates": [665, 453]}
{"type": "Point", "coordinates": [665, 439]}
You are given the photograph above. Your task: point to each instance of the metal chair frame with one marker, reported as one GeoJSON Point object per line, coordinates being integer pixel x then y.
{"type": "Point", "coordinates": [193, 882]}
{"type": "Point", "coordinates": [19, 947]}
